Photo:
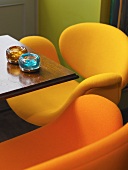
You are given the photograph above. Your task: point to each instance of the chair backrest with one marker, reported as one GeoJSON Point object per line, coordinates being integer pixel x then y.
{"type": "Point", "coordinates": [41, 45]}
{"type": "Point", "coordinates": [94, 48]}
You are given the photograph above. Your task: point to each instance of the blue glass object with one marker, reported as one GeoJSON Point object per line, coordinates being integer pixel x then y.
{"type": "Point", "coordinates": [29, 62]}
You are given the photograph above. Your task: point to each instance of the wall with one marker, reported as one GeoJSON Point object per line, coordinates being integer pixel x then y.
{"type": "Point", "coordinates": [18, 18]}
{"type": "Point", "coordinates": [56, 15]}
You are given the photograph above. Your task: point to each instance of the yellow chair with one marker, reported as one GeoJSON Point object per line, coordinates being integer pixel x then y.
{"type": "Point", "coordinates": [44, 105]}
{"type": "Point", "coordinates": [36, 107]}
{"type": "Point", "coordinates": [41, 45]}
{"type": "Point", "coordinates": [89, 135]}
{"type": "Point", "coordinates": [96, 48]}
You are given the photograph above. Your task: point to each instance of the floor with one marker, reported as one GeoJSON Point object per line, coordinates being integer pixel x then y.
{"type": "Point", "coordinates": [11, 125]}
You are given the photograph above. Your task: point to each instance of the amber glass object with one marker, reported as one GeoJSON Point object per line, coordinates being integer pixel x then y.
{"type": "Point", "coordinates": [13, 53]}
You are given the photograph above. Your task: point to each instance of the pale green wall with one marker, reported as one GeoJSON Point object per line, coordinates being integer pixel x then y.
{"type": "Point", "coordinates": [56, 15]}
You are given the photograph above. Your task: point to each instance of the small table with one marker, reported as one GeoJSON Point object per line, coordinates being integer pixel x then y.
{"type": "Point", "coordinates": [15, 82]}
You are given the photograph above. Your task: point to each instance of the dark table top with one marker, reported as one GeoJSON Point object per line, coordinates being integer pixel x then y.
{"type": "Point", "coordinates": [15, 82]}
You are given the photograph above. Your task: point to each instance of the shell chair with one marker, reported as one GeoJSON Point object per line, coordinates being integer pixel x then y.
{"type": "Point", "coordinates": [44, 105]}
{"type": "Point", "coordinates": [89, 135]}
{"type": "Point", "coordinates": [41, 45]}
{"type": "Point", "coordinates": [96, 48]}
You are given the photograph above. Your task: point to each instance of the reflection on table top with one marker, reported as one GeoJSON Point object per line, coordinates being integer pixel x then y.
{"type": "Point", "coordinates": [14, 82]}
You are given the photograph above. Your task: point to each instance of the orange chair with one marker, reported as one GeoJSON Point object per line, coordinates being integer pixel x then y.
{"type": "Point", "coordinates": [42, 106]}
{"type": "Point", "coordinates": [88, 135]}
{"type": "Point", "coordinates": [95, 48]}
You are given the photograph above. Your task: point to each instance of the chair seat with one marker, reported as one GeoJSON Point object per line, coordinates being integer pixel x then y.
{"type": "Point", "coordinates": [41, 103]}
{"type": "Point", "coordinates": [43, 106]}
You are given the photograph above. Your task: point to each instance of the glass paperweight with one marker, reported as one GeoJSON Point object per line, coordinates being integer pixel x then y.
{"type": "Point", "coordinates": [29, 62]}
{"type": "Point", "coordinates": [13, 53]}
